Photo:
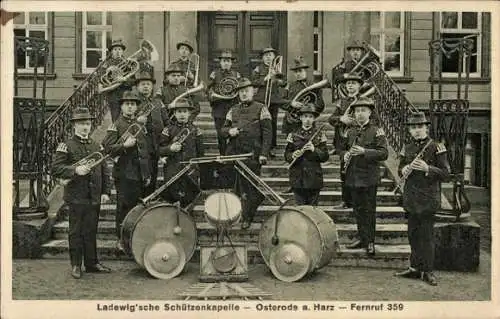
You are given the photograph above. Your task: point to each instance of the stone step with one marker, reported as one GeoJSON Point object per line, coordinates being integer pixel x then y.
{"type": "Point", "coordinates": [385, 214]}
{"type": "Point", "coordinates": [387, 256]}
{"type": "Point", "coordinates": [385, 233]}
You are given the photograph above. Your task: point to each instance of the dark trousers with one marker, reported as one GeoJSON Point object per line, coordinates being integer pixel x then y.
{"type": "Point", "coordinates": [219, 123]}
{"type": "Point", "coordinates": [421, 238]}
{"type": "Point", "coordinates": [346, 190]}
{"type": "Point", "coordinates": [273, 109]}
{"type": "Point", "coordinates": [306, 196]}
{"type": "Point", "coordinates": [153, 166]}
{"type": "Point", "coordinates": [115, 109]}
{"type": "Point", "coordinates": [128, 193]}
{"type": "Point", "coordinates": [251, 198]}
{"type": "Point", "coordinates": [83, 221]}
{"type": "Point", "coordinates": [364, 202]}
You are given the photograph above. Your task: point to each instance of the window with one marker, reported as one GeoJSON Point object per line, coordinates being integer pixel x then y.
{"type": "Point", "coordinates": [388, 38]}
{"type": "Point", "coordinates": [35, 25]}
{"type": "Point", "coordinates": [318, 42]}
{"type": "Point", "coordinates": [459, 25]}
{"type": "Point", "coordinates": [96, 38]}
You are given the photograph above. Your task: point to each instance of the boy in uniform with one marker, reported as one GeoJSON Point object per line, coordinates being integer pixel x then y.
{"type": "Point", "coordinates": [220, 107]}
{"type": "Point", "coordinates": [86, 190]}
{"type": "Point", "coordinates": [181, 141]}
{"type": "Point", "coordinates": [422, 195]}
{"type": "Point", "coordinates": [362, 150]}
{"type": "Point", "coordinates": [131, 170]}
{"type": "Point", "coordinates": [306, 175]}
{"type": "Point", "coordinates": [248, 128]}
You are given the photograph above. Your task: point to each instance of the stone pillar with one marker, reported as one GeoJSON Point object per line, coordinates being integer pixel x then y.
{"type": "Point", "coordinates": [182, 26]}
{"type": "Point", "coordinates": [126, 27]}
{"type": "Point", "coordinates": [152, 23]}
{"type": "Point", "coordinates": [300, 37]}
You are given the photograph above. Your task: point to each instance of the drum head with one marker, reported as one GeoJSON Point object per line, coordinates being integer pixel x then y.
{"type": "Point", "coordinates": [289, 262]}
{"type": "Point", "coordinates": [224, 259]}
{"type": "Point", "coordinates": [223, 208]}
{"type": "Point", "coordinates": [164, 259]}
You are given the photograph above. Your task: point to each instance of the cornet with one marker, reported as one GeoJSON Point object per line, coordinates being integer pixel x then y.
{"type": "Point", "coordinates": [193, 59]}
{"type": "Point", "coordinates": [92, 160]}
{"type": "Point", "coordinates": [276, 68]}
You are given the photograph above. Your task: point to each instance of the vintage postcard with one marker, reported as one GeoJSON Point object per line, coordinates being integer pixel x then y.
{"type": "Point", "coordinates": [249, 158]}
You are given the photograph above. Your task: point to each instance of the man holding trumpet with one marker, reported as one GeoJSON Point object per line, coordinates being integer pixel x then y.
{"type": "Point", "coordinates": [89, 185]}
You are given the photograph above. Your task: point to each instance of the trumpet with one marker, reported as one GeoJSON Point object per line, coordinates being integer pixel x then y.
{"type": "Point", "coordinates": [275, 67]}
{"type": "Point", "coordinates": [124, 70]}
{"type": "Point", "coordinates": [404, 178]}
{"type": "Point", "coordinates": [92, 160]}
{"type": "Point", "coordinates": [302, 150]}
{"type": "Point", "coordinates": [193, 59]}
{"type": "Point", "coordinates": [179, 138]}
{"type": "Point", "coordinates": [225, 90]}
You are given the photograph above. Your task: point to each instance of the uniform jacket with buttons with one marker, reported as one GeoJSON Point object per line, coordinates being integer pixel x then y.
{"type": "Point", "coordinates": [254, 122]}
{"type": "Point", "coordinates": [133, 162]}
{"type": "Point", "coordinates": [364, 169]}
{"type": "Point", "coordinates": [422, 191]}
{"type": "Point", "coordinates": [258, 75]}
{"type": "Point", "coordinates": [306, 172]}
{"type": "Point", "coordinates": [220, 107]}
{"type": "Point", "coordinates": [168, 93]}
{"type": "Point", "coordinates": [85, 189]}
{"type": "Point", "coordinates": [156, 121]}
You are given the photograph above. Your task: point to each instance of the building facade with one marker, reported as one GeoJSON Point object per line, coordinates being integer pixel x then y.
{"type": "Point", "coordinates": [79, 40]}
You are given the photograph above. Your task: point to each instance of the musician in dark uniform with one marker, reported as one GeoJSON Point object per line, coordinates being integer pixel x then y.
{"type": "Point", "coordinates": [173, 87]}
{"type": "Point", "coordinates": [425, 164]}
{"type": "Point", "coordinates": [86, 190]}
{"type": "Point", "coordinates": [341, 119]}
{"type": "Point", "coordinates": [185, 49]}
{"type": "Point", "coordinates": [249, 129]}
{"type": "Point", "coordinates": [131, 170]}
{"type": "Point", "coordinates": [113, 96]}
{"type": "Point", "coordinates": [363, 150]}
{"type": "Point", "coordinates": [309, 150]}
{"type": "Point", "coordinates": [291, 124]}
{"type": "Point", "coordinates": [355, 51]}
{"type": "Point", "coordinates": [219, 106]}
{"type": "Point", "coordinates": [181, 141]}
{"type": "Point", "coordinates": [260, 76]}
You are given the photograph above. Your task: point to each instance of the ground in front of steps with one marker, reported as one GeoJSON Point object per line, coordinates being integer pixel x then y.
{"type": "Point", "coordinates": [50, 279]}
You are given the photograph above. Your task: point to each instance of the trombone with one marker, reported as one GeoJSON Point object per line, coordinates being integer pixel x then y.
{"type": "Point", "coordinates": [193, 59]}
{"type": "Point", "coordinates": [275, 67]}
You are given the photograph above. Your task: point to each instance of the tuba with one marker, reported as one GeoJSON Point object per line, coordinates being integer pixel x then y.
{"type": "Point", "coordinates": [194, 90]}
{"type": "Point", "coordinates": [124, 70]}
{"type": "Point", "coordinates": [304, 96]}
{"type": "Point", "coordinates": [226, 89]}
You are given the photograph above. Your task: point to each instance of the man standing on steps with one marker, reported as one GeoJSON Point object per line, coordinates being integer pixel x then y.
{"type": "Point", "coordinates": [363, 149]}
{"type": "Point", "coordinates": [249, 129]}
{"type": "Point", "coordinates": [423, 166]}
{"type": "Point", "coordinates": [86, 189]}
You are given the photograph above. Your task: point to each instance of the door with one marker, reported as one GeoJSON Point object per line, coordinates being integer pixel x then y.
{"type": "Point", "coordinates": [245, 33]}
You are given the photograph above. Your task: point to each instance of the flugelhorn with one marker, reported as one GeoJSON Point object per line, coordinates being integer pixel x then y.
{"type": "Point", "coordinates": [302, 151]}
{"type": "Point", "coordinates": [193, 59]}
{"type": "Point", "coordinates": [275, 68]}
{"type": "Point", "coordinates": [124, 70]}
{"type": "Point", "coordinates": [179, 138]}
{"type": "Point", "coordinates": [91, 161]}
{"type": "Point", "coordinates": [132, 131]}
{"type": "Point", "coordinates": [226, 89]}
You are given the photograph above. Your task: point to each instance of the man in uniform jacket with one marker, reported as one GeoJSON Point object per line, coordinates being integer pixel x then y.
{"type": "Point", "coordinates": [87, 187]}
{"type": "Point", "coordinates": [185, 49]}
{"type": "Point", "coordinates": [131, 169]}
{"type": "Point", "coordinates": [220, 107]}
{"type": "Point", "coordinates": [341, 121]}
{"type": "Point", "coordinates": [291, 123]}
{"type": "Point", "coordinates": [363, 150]}
{"type": "Point", "coordinates": [113, 96]}
{"type": "Point", "coordinates": [260, 77]}
{"type": "Point", "coordinates": [306, 174]}
{"type": "Point", "coordinates": [422, 194]}
{"type": "Point", "coordinates": [181, 141]}
{"type": "Point", "coordinates": [248, 128]}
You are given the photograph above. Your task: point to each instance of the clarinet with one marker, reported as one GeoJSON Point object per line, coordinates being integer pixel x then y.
{"type": "Point", "coordinates": [404, 177]}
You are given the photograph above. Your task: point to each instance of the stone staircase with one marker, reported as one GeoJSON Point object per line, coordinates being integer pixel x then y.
{"type": "Point", "coordinates": [392, 249]}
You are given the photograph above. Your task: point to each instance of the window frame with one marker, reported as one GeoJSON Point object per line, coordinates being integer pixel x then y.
{"type": "Point", "coordinates": [81, 41]}
{"type": "Point", "coordinates": [48, 28]}
{"type": "Point", "coordinates": [318, 53]}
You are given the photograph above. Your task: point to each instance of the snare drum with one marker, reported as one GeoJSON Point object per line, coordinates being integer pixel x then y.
{"type": "Point", "coordinates": [222, 209]}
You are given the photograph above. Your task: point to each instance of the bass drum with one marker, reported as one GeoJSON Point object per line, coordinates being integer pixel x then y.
{"type": "Point", "coordinates": [161, 238]}
{"type": "Point", "coordinates": [307, 241]}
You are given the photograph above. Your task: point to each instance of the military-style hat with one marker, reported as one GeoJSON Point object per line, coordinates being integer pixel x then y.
{"type": "Point", "coordinates": [298, 63]}
{"type": "Point", "coordinates": [417, 118]}
{"type": "Point", "coordinates": [181, 104]}
{"type": "Point", "coordinates": [363, 101]}
{"type": "Point", "coordinates": [309, 108]}
{"type": "Point", "coordinates": [80, 114]}
{"type": "Point", "coordinates": [185, 43]}
{"type": "Point", "coordinates": [173, 68]}
{"type": "Point", "coordinates": [117, 43]}
{"type": "Point", "coordinates": [130, 96]}
{"type": "Point", "coordinates": [144, 76]}
{"type": "Point", "coordinates": [354, 44]}
{"type": "Point", "coordinates": [227, 54]}
{"type": "Point", "coordinates": [268, 49]}
{"type": "Point", "coordinates": [243, 83]}
{"type": "Point", "coordinates": [349, 77]}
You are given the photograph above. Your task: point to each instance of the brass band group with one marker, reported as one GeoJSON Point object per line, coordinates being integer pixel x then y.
{"type": "Point", "coordinates": [154, 123]}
